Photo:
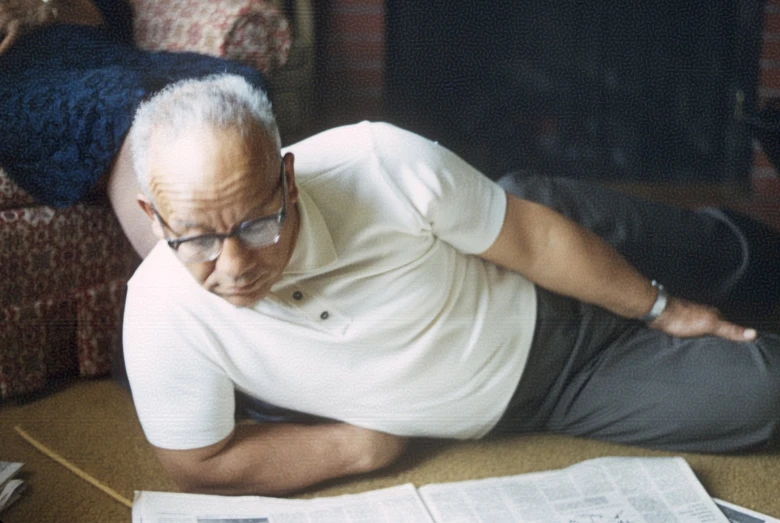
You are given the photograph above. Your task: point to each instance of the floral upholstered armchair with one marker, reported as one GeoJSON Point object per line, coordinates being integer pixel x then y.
{"type": "Point", "coordinates": [63, 272]}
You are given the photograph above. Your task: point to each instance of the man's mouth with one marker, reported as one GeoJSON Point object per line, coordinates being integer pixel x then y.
{"type": "Point", "coordinates": [240, 291]}
{"type": "Point", "coordinates": [243, 290]}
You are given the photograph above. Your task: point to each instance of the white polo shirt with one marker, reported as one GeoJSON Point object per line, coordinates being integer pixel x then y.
{"type": "Point", "coordinates": [384, 317]}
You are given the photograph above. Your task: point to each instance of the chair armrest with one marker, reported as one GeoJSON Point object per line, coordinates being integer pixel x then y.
{"type": "Point", "coordinates": [253, 32]}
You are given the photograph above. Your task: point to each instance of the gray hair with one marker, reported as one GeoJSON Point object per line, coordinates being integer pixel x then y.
{"type": "Point", "coordinates": [220, 101]}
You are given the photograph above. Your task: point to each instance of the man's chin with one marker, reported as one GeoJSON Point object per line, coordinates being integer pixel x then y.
{"type": "Point", "coordinates": [243, 299]}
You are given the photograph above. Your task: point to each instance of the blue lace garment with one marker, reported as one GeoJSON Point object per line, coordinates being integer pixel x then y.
{"type": "Point", "coordinates": [68, 95]}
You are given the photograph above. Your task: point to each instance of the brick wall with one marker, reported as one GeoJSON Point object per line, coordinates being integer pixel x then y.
{"type": "Point", "coordinates": [764, 179]}
{"type": "Point", "coordinates": [350, 64]}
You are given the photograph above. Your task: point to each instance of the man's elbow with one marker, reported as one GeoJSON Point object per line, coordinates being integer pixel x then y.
{"type": "Point", "coordinates": [206, 482]}
{"type": "Point", "coordinates": [196, 470]}
{"type": "Point", "coordinates": [206, 478]}
{"type": "Point", "coordinates": [191, 483]}
{"type": "Point", "coordinates": [190, 477]}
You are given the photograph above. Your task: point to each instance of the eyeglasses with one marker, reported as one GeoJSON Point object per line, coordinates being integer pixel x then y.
{"type": "Point", "coordinates": [257, 233]}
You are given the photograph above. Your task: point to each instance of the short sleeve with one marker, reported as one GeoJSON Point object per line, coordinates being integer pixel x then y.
{"type": "Point", "coordinates": [183, 398]}
{"type": "Point", "coordinates": [461, 205]}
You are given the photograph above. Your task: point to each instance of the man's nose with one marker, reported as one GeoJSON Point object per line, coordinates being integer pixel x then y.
{"type": "Point", "coordinates": [235, 258]}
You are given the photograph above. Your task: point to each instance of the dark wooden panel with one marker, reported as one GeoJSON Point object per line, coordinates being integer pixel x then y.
{"type": "Point", "coordinates": [608, 89]}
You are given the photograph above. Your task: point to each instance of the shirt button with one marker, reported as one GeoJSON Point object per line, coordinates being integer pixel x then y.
{"type": "Point", "coordinates": [298, 295]}
{"type": "Point", "coordinates": [325, 315]}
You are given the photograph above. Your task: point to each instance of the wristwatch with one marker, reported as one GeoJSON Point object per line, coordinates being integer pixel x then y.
{"type": "Point", "coordinates": [659, 305]}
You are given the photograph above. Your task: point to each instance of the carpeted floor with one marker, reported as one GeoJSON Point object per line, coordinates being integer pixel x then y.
{"type": "Point", "coordinates": [92, 424]}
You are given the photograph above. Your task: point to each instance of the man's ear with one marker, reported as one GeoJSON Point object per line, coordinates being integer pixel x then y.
{"type": "Point", "coordinates": [146, 206]}
{"type": "Point", "coordinates": [289, 171]}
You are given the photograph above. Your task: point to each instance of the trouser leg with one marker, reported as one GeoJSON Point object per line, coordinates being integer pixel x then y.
{"type": "Point", "coordinates": [721, 258]}
{"type": "Point", "coordinates": [568, 334]}
{"type": "Point", "coordinates": [695, 394]}
{"type": "Point", "coordinates": [593, 374]}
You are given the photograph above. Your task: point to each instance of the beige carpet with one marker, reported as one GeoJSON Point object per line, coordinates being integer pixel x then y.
{"type": "Point", "coordinates": [93, 425]}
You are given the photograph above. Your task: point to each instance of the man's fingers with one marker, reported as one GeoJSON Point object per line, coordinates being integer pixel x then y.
{"type": "Point", "coordinates": [733, 332]}
{"type": "Point", "coordinates": [687, 319]}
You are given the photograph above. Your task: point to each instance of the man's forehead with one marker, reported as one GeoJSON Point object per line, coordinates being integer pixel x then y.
{"type": "Point", "coordinates": [210, 169]}
{"type": "Point", "coordinates": [198, 155]}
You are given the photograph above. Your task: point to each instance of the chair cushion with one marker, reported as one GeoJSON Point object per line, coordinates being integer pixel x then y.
{"type": "Point", "coordinates": [63, 275]}
{"type": "Point", "coordinates": [76, 333]}
{"type": "Point", "coordinates": [47, 252]}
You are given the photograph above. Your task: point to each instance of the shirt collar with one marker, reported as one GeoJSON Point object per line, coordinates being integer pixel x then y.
{"type": "Point", "coordinates": [314, 246]}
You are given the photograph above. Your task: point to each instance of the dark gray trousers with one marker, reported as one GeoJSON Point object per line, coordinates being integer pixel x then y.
{"type": "Point", "coordinates": [591, 373]}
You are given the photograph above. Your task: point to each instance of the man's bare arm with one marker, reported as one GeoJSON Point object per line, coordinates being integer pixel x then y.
{"type": "Point", "coordinates": [559, 255]}
{"type": "Point", "coordinates": [279, 458]}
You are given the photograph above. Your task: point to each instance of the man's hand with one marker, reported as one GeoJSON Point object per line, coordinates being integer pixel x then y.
{"type": "Point", "coordinates": [686, 319]}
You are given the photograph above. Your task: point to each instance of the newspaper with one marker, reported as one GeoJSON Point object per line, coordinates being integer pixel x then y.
{"type": "Point", "coordinates": [605, 489]}
{"type": "Point", "coordinates": [10, 488]}
{"type": "Point", "coordinates": [737, 514]}
{"type": "Point", "coordinates": [395, 504]}
{"type": "Point", "coordinates": [615, 490]}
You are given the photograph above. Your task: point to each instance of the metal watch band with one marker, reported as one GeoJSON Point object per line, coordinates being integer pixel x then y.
{"type": "Point", "coordinates": [659, 305]}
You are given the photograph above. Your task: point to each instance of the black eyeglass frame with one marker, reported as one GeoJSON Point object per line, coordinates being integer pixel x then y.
{"type": "Point", "coordinates": [235, 232]}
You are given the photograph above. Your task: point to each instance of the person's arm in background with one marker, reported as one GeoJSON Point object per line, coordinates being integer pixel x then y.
{"type": "Point", "coordinates": [279, 458]}
{"type": "Point", "coordinates": [561, 256]}
{"type": "Point", "coordinates": [20, 16]}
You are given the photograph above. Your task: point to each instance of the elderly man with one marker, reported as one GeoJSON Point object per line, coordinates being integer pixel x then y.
{"type": "Point", "coordinates": [372, 279]}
